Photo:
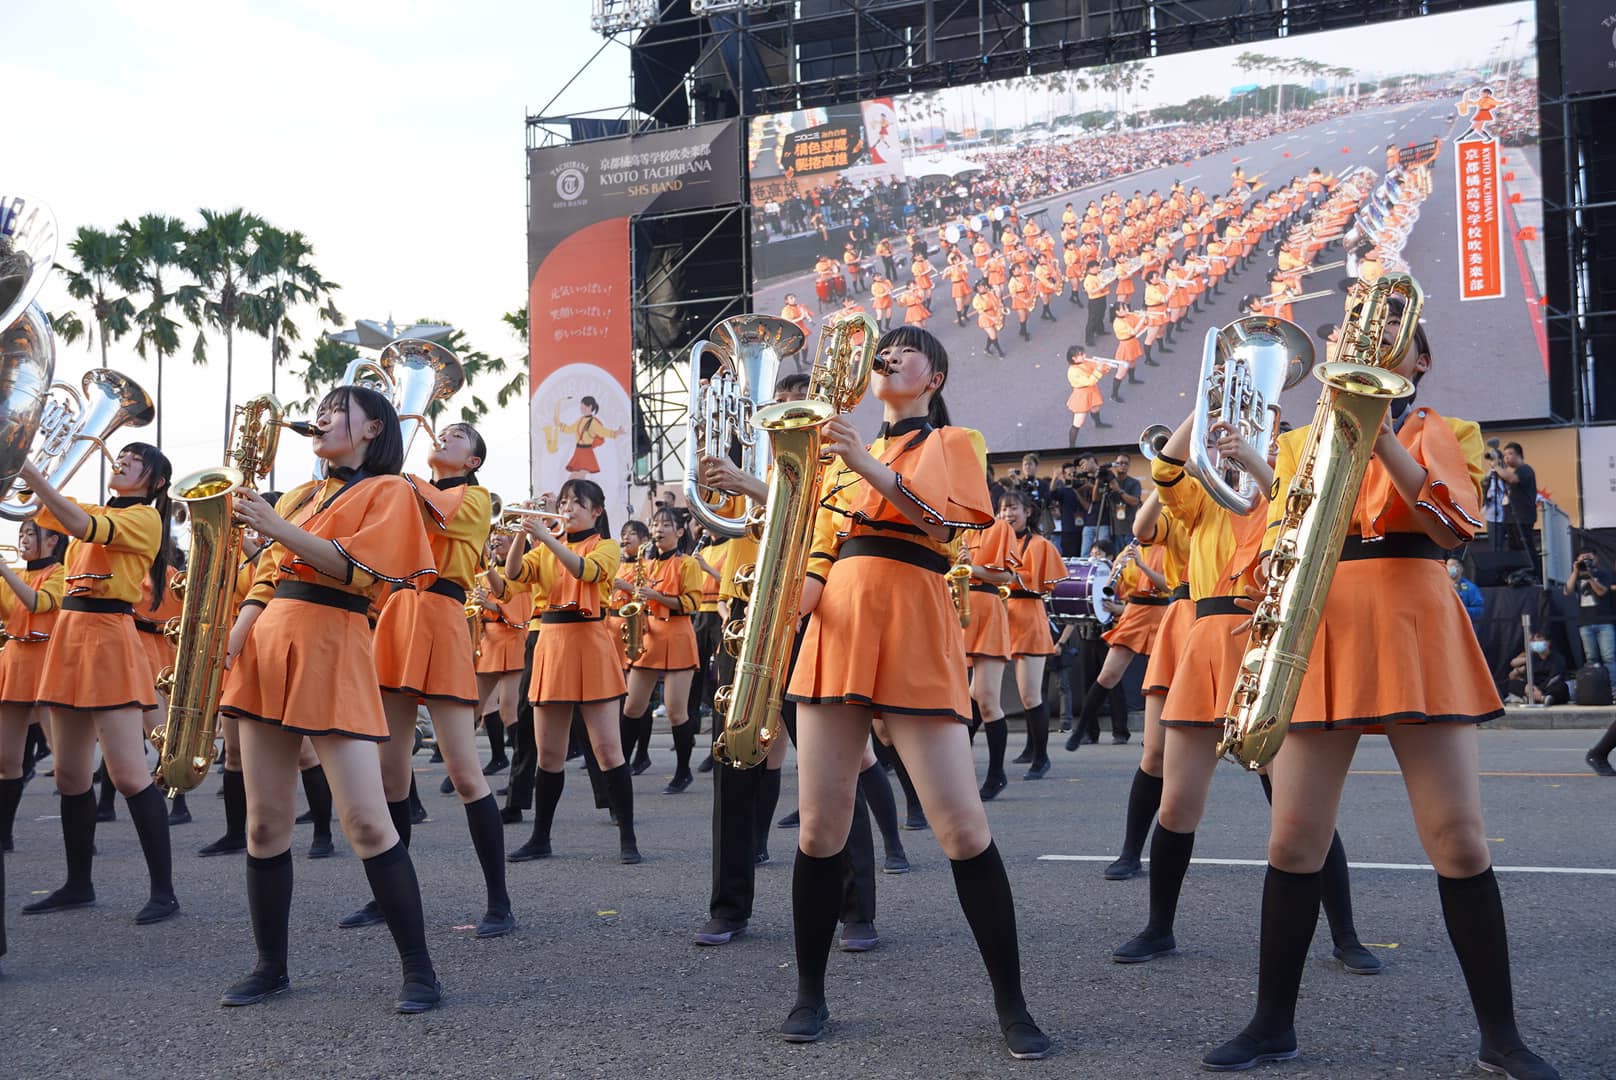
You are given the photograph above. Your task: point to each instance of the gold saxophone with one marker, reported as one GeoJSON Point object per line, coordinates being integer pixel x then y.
{"type": "Point", "coordinates": [1358, 388]}
{"type": "Point", "coordinates": [633, 613]}
{"type": "Point", "coordinates": [750, 706]}
{"type": "Point", "coordinates": [474, 623]}
{"type": "Point", "coordinates": [959, 583]}
{"type": "Point", "coordinates": [201, 632]}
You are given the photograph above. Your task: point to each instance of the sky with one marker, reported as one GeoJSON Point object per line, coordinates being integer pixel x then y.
{"type": "Point", "coordinates": [390, 133]}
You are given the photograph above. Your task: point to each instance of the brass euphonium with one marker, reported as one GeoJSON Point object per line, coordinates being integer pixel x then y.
{"type": "Point", "coordinates": [633, 613]}
{"type": "Point", "coordinates": [27, 343]}
{"type": "Point", "coordinates": [414, 374]}
{"type": "Point", "coordinates": [750, 706]}
{"type": "Point", "coordinates": [74, 425]}
{"type": "Point", "coordinates": [201, 633]}
{"type": "Point", "coordinates": [1358, 388]}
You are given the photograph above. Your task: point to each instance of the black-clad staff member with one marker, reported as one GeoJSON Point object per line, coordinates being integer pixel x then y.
{"type": "Point", "coordinates": [302, 664]}
{"type": "Point", "coordinates": [575, 660]}
{"type": "Point", "coordinates": [97, 680]}
{"type": "Point", "coordinates": [28, 607]}
{"type": "Point", "coordinates": [881, 542]}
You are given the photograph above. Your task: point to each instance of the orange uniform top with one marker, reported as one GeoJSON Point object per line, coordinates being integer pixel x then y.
{"type": "Point", "coordinates": [514, 609]}
{"type": "Point", "coordinates": [673, 574]}
{"type": "Point", "coordinates": [457, 517]}
{"type": "Point", "coordinates": [990, 547]}
{"type": "Point", "coordinates": [586, 595]}
{"type": "Point", "coordinates": [33, 623]}
{"type": "Point", "coordinates": [1036, 562]}
{"type": "Point", "coordinates": [363, 520]}
{"type": "Point", "coordinates": [941, 469]}
{"type": "Point", "coordinates": [1133, 582]}
{"type": "Point", "coordinates": [109, 561]}
{"type": "Point", "coordinates": [1222, 547]}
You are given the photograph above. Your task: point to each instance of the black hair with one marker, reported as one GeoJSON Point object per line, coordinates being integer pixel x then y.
{"type": "Point", "coordinates": [479, 447]}
{"type": "Point", "coordinates": [1075, 351]}
{"type": "Point", "coordinates": [588, 492]}
{"type": "Point", "coordinates": [156, 466]}
{"type": "Point", "coordinates": [635, 525]}
{"type": "Point", "coordinates": [1515, 446]}
{"type": "Point", "coordinates": [590, 403]}
{"type": "Point", "coordinates": [1419, 344]}
{"type": "Point", "coordinates": [1104, 546]}
{"type": "Point", "coordinates": [671, 516]}
{"type": "Point", "coordinates": [794, 383]}
{"type": "Point", "coordinates": [54, 543]}
{"type": "Point", "coordinates": [1020, 499]}
{"type": "Point", "coordinates": [384, 456]}
{"type": "Point", "coordinates": [914, 337]}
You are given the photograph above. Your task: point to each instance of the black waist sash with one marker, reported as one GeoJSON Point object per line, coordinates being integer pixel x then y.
{"type": "Point", "coordinates": [323, 595]}
{"type": "Point", "coordinates": [887, 547]}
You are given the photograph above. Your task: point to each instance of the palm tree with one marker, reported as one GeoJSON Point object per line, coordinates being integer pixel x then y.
{"type": "Point", "coordinates": [280, 260]}
{"type": "Point", "coordinates": [217, 255]}
{"type": "Point", "coordinates": [68, 326]}
{"type": "Point", "coordinates": [154, 248]}
{"type": "Point", "coordinates": [100, 257]}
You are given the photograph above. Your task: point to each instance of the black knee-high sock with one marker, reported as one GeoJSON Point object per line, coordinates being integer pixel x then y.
{"type": "Point", "coordinates": [911, 798]}
{"type": "Point", "coordinates": [1169, 860]}
{"type": "Point", "coordinates": [684, 741]}
{"type": "Point", "coordinates": [628, 733]}
{"type": "Point", "coordinates": [1038, 731]}
{"type": "Point", "coordinates": [642, 736]}
{"type": "Point", "coordinates": [1290, 915]}
{"type": "Point", "coordinates": [495, 728]}
{"type": "Point", "coordinates": [1335, 886]}
{"type": "Point", "coordinates": [1144, 799]}
{"type": "Point", "coordinates": [317, 790]}
{"type": "Point", "coordinates": [149, 812]}
{"type": "Point", "coordinates": [400, 813]}
{"type": "Point", "coordinates": [877, 792]}
{"type": "Point", "coordinates": [984, 896]}
{"type": "Point", "coordinates": [1606, 743]}
{"type": "Point", "coordinates": [768, 798]}
{"type": "Point", "coordinates": [393, 883]}
{"type": "Point", "coordinates": [1027, 749]}
{"type": "Point", "coordinates": [1474, 912]}
{"type": "Point", "coordinates": [415, 795]}
{"type": "Point", "coordinates": [78, 838]}
{"type": "Point", "coordinates": [235, 806]}
{"type": "Point", "coordinates": [108, 792]}
{"type": "Point", "coordinates": [1093, 698]}
{"type": "Point", "coordinates": [10, 799]}
{"type": "Point", "coordinates": [816, 901]}
{"type": "Point", "coordinates": [269, 901]}
{"type": "Point", "coordinates": [998, 735]}
{"type": "Point", "coordinates": [547, 787]}
{"type": "Point", "coordinates": [488, 839]}
{"type": "Point", "coordinates": [976, 721]}
{"type": "Point", "coordinates": [620, 790]}
{"type": "Point", "coordinates": [34, 747]}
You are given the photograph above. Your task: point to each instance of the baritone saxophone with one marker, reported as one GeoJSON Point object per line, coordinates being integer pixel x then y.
{"type": "Point", "coordinates": [1358, 389]}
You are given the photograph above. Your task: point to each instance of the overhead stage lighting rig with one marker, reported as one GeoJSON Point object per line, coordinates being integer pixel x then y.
{"type": "Point", "coordinates": [721, 7]}
{"type": "Point", "coordinates": [615, 16]}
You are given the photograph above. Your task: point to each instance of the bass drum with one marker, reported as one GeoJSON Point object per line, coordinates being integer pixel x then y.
{"type": "Point", "coordinates": [951, 233]}
{"type": "Point", "coordinates": [1081, 594]}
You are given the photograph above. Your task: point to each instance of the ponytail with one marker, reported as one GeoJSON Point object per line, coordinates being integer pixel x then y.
{"type": "Point", "coordinates": [937, 411]}
{"type": "Point", "coordinates": [157, 468]}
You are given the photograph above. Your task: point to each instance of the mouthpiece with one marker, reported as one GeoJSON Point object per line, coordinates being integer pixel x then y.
{"type": "Point", "coordinates": [304, 428]}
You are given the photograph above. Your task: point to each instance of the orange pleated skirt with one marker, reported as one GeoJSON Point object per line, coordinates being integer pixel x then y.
{"type": "Point", "coordinates": [1164, 653]}
{"type": "Point", "coordinates": [423, 648]}
{"type": "Point", "coordinates": [502, 649]}
{"type": "Point", "coordinates": [308, 668]}
{"type": "Point", "coordinates": [670, 645]}
{"type": "Point", "coordinates": [1136, 628]}
{"type": "Point", "coordinates": [617, 623]}
{"type": "Point", "coordinates": [95, 661]}
{"type": "Point", "coordinates": [1029, 628]}
{"type": "Point", "coordinates": [988, 636]}
{"type": "Point", "coordinates": [885, 636]}
{"type": "Point", "coordinates": [22, 666]}
{"type": "Point", "coordinates": [1394, 647]}
{"type": "Point", "coordinates": [577, 663]}
{"type": "Point", "coordinates": [1204, 677]}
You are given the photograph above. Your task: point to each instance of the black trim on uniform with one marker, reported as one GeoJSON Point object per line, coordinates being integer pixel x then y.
{"type": "Point", "coordinates": [869, 703]}
{"type": "Point", "coordinates": [243, 715]}
{"type": "Point", "coordinates": [1025, 594]}
{"type": "Point", "coordinates": [1150, 601]}
{"type": "Point", "coordinates": [569, 617]}
{"type": "Point", "coordinates": [98, 605]}
{"type": "Point", "coordinates": [886, 547]}
{"type": "Point", "coordinates": [450, 482]}
{"type": "Point", "coordinates": [40, 564]}
{"type": "Point", "coordinates": [449, 589]}
{"type": "Point", "coordinates": [1219, 605]}
{"type": "Point", "coordinates": [146, 626]}
{"type": "Point", "coordinates": [323, 595]}
{"type": "Point", "coordinates": [902, 427]}
{"type": "Point", "coordinates": [1181, 593]}
{"type": "Point", "coordinates": [584, 534]}
{"type": "Point", "coordinates": [1392, 546]}
{"type": "Point", "coordinates": [1173, 461]}
{"type": "Point", "coordinates": [992, 590]}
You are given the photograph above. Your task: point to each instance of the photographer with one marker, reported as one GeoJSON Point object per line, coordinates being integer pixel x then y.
{"type": "Point", "coordinates": [1063, 512]}
{"type": "Point", "coordinates": [1108, 497]}
{"type": "Point", "coordinates": [1597, 620]}
{"type": "Point", "coordinates": [1089, 494]}
{"type": "Point", "coordinates": [1519, 498]}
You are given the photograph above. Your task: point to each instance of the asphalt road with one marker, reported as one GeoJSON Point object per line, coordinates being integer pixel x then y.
{"type": "Point", "coordinates": [602, 979]}
{"type": "Point", "coordinates": [1488, 365]}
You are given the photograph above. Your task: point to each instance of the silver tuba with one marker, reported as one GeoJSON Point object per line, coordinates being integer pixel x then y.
{"type": "Point", "coordinates": [74, 424]}
{"type": "Point", "coordinates": [27, 346]}
{"type": "Point", "coordinates": [730, 378]}
{"type": "Point", "coordinates": [413, 374]}
{"type": "Point", "coordinates": [1244, 368]}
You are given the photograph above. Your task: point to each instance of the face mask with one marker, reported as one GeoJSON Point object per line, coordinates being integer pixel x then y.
{"type": "Point", "coordinates": [1453, 572]}
{"type": "Point", "coordinates": [1540, 647]}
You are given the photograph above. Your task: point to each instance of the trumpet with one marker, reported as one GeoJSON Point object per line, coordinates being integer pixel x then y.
{"type": "Point", "coordinates": [1323, 267]}
{"type": "Point", "coordinates": [513, 518]}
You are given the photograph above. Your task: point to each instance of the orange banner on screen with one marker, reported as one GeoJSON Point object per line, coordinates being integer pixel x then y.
{"type": "Point", "coordinates": [1481, 220]}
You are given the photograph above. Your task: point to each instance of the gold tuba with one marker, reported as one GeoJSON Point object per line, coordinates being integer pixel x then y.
{"type": "Point", "coordinates": [1358, 388]}
{"type": "Point", "coordinates": [750, 706]}
{"type": "Point", "coordinates": [633, 613]}
{"type": "Point", "coordinates": [201, 632]}
{"type": "Point", "coordinates": [75, 424]}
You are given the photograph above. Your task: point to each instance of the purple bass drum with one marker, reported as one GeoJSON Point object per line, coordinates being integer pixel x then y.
{"type": "Point", "coordinates": [1081, 595]}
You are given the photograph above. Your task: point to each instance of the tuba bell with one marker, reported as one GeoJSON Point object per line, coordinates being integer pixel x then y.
{"type": "Point", "coordinates": [73, 425]}
{"type": "Point", "coordinates": [27, 345]}
{"type": "Point", "coordinates": [414, 374]}
{"type": "Point", "coordinates": [730, 378]}
{"type": "Point", "coordinates": [1244, 368]}
{"type": "Point", "coordinates": [1152, 439]}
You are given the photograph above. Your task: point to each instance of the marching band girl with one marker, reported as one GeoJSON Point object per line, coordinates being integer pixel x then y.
{"type": "Point", "coordinates": [1036, 565]}
{"type": "Point", "coordinates": [987, 642]}
{"type": "Point", "coordinates": [506, 608]}
{"type": "Point", "coordinates": [28, 608]}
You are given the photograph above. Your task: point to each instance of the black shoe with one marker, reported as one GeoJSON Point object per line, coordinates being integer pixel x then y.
{"type": "Point", "coordinates": [418, 815]}
{"type": "Point", "coordinates": [1123, 869]}
{"type": "Point", "coordinates": [1023, 758]}
{"type": "Point", "coordinates": [1074, 740]}
{"type": "Point", "coordinates": [320, 848]}
{"type": "Point", "coordinates": [419, 997]}
{"type": "Point", "coordinates": [1039, 770]}
{"type": "Point", "coordinates": [706, 765]}
{"type": "Point", "coordinates": [805, 1023]}
{"type": "Point", "coordinates": [305, 818]}
{"type": "Point", "coordinates": [369, 915]}
{"type": "Point", "coordinates": [497, 766]}
{"type": "Point", "coordinates": [157, 909]}
{"type": "Point", "coordinates": [1144, 947]}
{"type": "Point", "coordinates": [179, 815]}
{"type": "Point", "coordinates": [790, 821]}
{"type": "Point", "coordinates": [7, 844]}
{"type": "Point", "coordinates": [678, 783]}
{"type": "Point", "coordinates": [1247, 1052]}
{"type": "Point", "coordinates": [896, 864]}
{"type": "Point", "coordinates": [1600, 765]}
{"type": "Point", "coordinates": [60, 900]}
{"type": "Point", "coordinates": [502, 792]}
{"type": "Point", "coordinates": [628, 853]}
{"type": "Point", "coordinates": [225, 845]}
{"type": "Point", "coordinates": [437, 756]}
{"type": "Point", "coordinates": [496, 924]}
{"type": "Point", "coordinates": [916, 821]}
{"type": "Point", "coordinates": [447, 787]}
{"type": "Point", "coordinates": [1358, 960]}
{"type": "Point", "coordinates": [1520, 1063]}
{"type": "Point", "coordinates": [255, 988]}
{"type": "Point", "coordinates": [510, 815]}
{"type": "Point", "coordinates": [859, 937]}
{"type": "Point", "coordinates": [992, 786]}
{"type": "Point", "coordinates": [1090, 740]}
{"type": "Point", "coordinates": [105, 814]}
{"type": "Point", "coordinates": [639, 766]}
{"type": "Point", "coordinates": [761, 858]}
{"type": "Point", "coordinates": [1066, 725]}
{"type": "Point", "coordinates": [533, 849]}
{"type": "Point", "coordinates": [1119, 740]}
{"type": "Point", "coordinates": [719, 932]}
{"type": "Point", "coordinates": [1025, 1040]}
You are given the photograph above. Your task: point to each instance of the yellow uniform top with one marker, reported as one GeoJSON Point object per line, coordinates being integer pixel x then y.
{"type": "Point", "coordinates": [1211, 528]}
{"type": "Point", "coordinates": [115, 552]}
{"type": "Point", "coordinates": [457, 516]}
{"type": "Point", "coordinates": [559, 590]}
{"type": "Point", "coordinates": [714, 556]}
{"type": "Point", "coordinates": [1174, 540]}
{"type": "Point", "coordinates": [33, 623]}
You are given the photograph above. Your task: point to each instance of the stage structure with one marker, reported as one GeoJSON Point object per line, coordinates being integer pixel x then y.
{"type": "Point", "coordinates": [699, 61]}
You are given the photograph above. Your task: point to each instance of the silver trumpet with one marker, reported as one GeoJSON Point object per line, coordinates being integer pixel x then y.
{"type": "Point", "coordinates": [730, 378]}
{"type": "Point", "coordinates": [414, 374]}
{"type": "Point", "coordinates": [27, 345]}
{"type": "Point", "coordinates": [1245, 366]}
{"type": "Point", "coordinates": [74, 425]}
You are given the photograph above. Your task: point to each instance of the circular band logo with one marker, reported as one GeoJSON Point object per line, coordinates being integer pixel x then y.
{"type": "Point", "coordinates": [569, 183]}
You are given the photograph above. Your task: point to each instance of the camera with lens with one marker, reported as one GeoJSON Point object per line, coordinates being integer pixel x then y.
{"type": "Point", "coordinates": [1492, 449]}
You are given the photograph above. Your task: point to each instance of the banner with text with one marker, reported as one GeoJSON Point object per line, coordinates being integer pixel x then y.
{"type": "Point", "coordinates": [1481, 223]}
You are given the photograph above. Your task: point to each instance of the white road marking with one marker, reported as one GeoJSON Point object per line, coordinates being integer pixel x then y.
{"type": "Point", "coordinates": [1592, 870]}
